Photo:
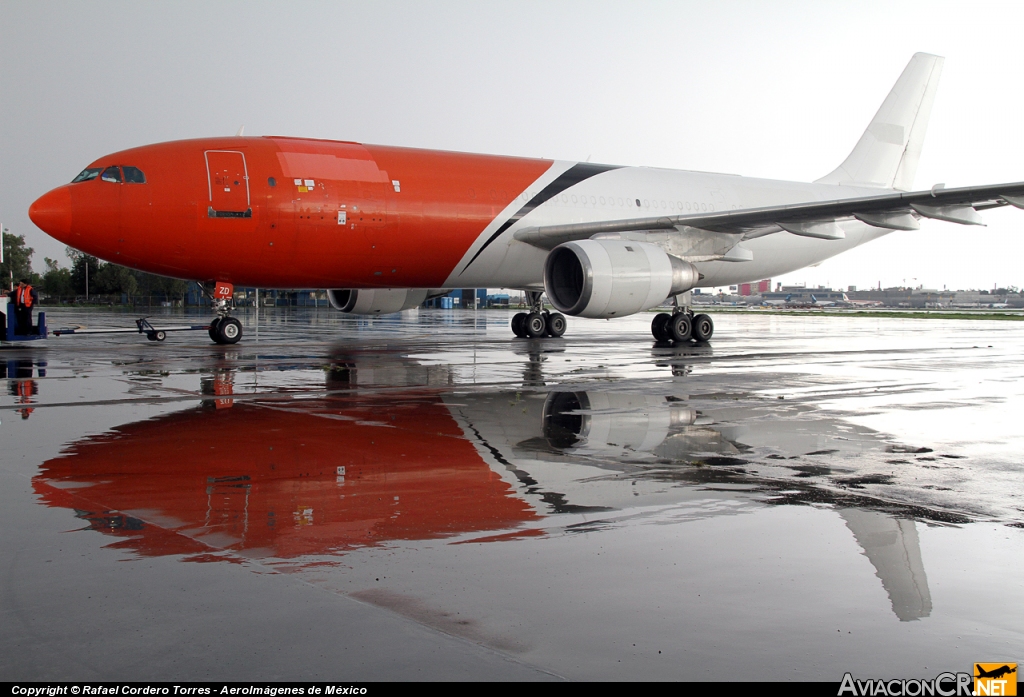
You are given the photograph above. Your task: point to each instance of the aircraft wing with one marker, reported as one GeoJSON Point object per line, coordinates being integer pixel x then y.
{"type": "Point", "coordinates": [895, 210]}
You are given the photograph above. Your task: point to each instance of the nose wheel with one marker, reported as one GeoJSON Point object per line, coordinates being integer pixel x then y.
{"type": "Point", "coordinates": [225, 330]}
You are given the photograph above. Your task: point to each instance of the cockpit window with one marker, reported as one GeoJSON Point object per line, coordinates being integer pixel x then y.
{"type": "Point", "coordinates": [134, 175]}
{"type": "Point", "coordinates": [87, 174]}
{"type": "Point", "coordinates": [111, 174]}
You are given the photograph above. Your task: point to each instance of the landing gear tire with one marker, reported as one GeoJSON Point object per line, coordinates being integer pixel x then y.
{"type": "Point", "coordinates": [659, 327]}
{"type": "Point", "coordinates": [518, 322]}
{"type": "Point", "coordinates": [227, 330]}
{"type": "Point", "coordinates": [703, 327]}
{"type": "Point", "coordinates": [535, 325]}
{"type": "Point", "coordinates": [556, 325]}
{"type": "Point", "coordinates": [680, 327]}
{"type": "Point", "coordinates": [214, 323]}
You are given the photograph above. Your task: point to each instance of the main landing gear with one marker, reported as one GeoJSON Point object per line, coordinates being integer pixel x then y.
{"type": "Point", "coordinates": [682, 325]}
{"type": "Point", "coordinates": [537, 322]}
{"type": "Point", "coordinates": [224, 329]}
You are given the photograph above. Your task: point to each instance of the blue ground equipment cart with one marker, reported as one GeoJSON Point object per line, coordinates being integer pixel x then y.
{"type": "Point", "coordinates": [9, 325]}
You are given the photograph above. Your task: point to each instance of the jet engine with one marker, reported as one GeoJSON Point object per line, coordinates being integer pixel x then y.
{"type": "Point", "coordinates": [379, 301]}
{"type": "Point", "coordinates": [607, 278]}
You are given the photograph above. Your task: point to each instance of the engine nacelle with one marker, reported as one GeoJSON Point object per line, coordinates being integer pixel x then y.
{"type": "Point", "coordinates": [377, 301]}
{"type": "Point", "coordinates": [613, 278]}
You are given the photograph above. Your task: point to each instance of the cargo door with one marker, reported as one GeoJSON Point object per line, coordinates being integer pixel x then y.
{"type": "Point", "coordinates": [228, 180]}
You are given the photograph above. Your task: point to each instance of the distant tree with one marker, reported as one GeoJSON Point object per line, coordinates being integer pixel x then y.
{"type": "Point", "coordinates": [114, 278]}
{"type": "Point", "coordinates": [17, 262]}
{"type": "Point", "coordinates": [84, 267]}
{"type": "Point", "coordinates": [56, 281]}
{"type": "Point", "coordinates": [151, 284]}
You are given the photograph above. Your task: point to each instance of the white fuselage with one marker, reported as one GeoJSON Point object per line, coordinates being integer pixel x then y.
{"type": "Point", "coordinates": [613, 195]}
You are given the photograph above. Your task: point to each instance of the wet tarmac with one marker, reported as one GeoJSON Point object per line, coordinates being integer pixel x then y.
{"type": "Point", "coordinates": [426, 497]}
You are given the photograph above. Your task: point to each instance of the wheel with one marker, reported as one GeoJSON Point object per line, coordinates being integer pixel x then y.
{"type": "Point", "coordinates": [156, 336]}
{"type": "Point", "coordinates": [517, 324]}
{"type": "Point", "coordinates": [679, 327]}
{"type": "Point", "coordinates": [214, 323]}
{"type": "Point", "coordinates": [229, 331]}
{"type": "Point", "coordinates": [659, 327]}
{"type": "Point", "coordinates": [703, 327]}
{"type": "Point", "coordinates": [535, 325]}
{"type": "Point", "coordinates": [556, 325]}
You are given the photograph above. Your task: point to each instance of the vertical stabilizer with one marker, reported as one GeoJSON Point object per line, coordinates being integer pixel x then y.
{"type": "Point", "coordinates": [888, 152]}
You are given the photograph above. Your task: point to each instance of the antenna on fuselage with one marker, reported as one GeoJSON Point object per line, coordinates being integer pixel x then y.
{"type": "Point", "coordinates": [241, 130]}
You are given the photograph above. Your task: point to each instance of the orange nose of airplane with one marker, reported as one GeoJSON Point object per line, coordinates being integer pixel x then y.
{"type": "Point", "coordinates": [52, 213]}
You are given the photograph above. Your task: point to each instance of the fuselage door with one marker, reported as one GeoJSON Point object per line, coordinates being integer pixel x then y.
{"type": "Point", "coordinates": [228, 180]}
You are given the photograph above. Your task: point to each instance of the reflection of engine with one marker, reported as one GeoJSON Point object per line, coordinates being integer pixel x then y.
{"type": "Point", "coordinates": [379, 301]}
{"type": "Point", "coordinates": [596, 420]}
{"type": "Point", "coordinates": [613, 278]}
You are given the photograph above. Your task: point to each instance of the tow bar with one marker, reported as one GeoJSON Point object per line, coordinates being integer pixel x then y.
{"type": "Point", "coordinates": [143, 326]}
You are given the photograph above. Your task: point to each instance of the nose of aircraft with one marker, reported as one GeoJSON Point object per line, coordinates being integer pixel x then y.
{"type": "Point", "coordinates": [51, 213]}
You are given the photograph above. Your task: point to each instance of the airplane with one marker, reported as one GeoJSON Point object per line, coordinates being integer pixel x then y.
{"type": "Point", "coordinates": [385, 228]}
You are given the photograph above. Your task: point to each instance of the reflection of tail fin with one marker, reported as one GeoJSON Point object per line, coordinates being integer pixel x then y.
{"type": "Point", "coordinates": [888, 152]}
{"type": "Point", "coordinates": [892, 547]}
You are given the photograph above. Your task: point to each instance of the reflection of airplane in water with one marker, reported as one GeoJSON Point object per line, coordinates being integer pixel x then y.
{"type": "Point", "coordinates": [269, 481]}
{"type": "Point", "coordinates": [662, 439]}
{"type": "Point", "coordinates": [355, 467]}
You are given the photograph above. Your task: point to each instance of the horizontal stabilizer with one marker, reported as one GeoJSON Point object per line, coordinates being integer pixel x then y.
{"type": "Point", "coordinates": [964, 215]}
{"type": "Point", "coordinates": [897, 220]}
{"type": "Point", "coordinates": [827, 230]}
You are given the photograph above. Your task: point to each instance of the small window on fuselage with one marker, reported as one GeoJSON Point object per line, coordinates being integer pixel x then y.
{"type": "Point", "coordinates": [134, 175]}
{"type": "Point", "coordinates": [111, 174]}
{"type": "Point", "coordinates": [87, 174]}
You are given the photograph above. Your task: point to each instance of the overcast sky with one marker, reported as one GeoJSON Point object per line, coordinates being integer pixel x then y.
{"type": "Point", "coordinates": [768, 89]}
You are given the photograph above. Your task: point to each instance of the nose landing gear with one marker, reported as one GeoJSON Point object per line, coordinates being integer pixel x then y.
{"type": "Point", "coordinates": [538, 322]}
{"type": "Point", "coordinates": [224, 329]}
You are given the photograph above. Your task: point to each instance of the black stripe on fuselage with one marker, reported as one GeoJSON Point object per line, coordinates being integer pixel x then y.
{"type": "Point", "coordinates": [570, 177]}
